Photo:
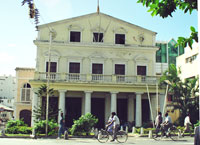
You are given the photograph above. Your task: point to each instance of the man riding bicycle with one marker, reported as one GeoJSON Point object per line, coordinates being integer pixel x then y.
{"type": "Point", "coordinates": [166, 124]}
{"type": "Point", "coordinates": [114, 120]}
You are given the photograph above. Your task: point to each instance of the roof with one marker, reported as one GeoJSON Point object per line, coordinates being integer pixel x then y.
{"type": "Point", "coordinates": [5, 108]}
{"type": "Point", "coordinates": [92, 14]}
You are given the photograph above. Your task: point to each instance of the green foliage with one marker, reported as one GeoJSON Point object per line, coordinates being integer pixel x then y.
{"type": "Point", "coordinates": [84, 124]}
{"type": "Point", "coordinates": [188, 41]}
{"type": "Point", "coordinates": [184, 97]}
{"type": "Point", "coordinates": [197, 124]}
{"type": "Point", "coordinates": [17, 127]}
{"type": "Point", "coordinates": [40, 127]}
{"type": "Point", "coordinates": [40, 111]}
{"type": "Point", "coordinates": [165, 8]}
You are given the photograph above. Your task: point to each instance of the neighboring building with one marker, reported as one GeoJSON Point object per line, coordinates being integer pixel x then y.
{"type": "Point", "coordinates": [7, 87]}
{"type": "Point", "coordinates": [7, 90]}
{"type": "Point", "coordinates": [23, 104]}
{"type": "Point", "coordinates": [99, 64]}
{"type": "Point", "coordinates": [166, 55]}
{"type": "Point", "coordinates": [188, 62]}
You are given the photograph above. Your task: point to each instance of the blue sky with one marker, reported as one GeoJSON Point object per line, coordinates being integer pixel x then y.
{"type": "Point", "coordinates": [18, 31]}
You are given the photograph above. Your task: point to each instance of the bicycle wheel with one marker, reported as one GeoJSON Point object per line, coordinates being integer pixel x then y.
{"type": "Point", "coordinates": [157, 136]}
{"type": "Point", "coordinates": [173, 133]}
{"type": "Point", "coordinates": [102, 136]}
{"type": "Point", "coordinates": [121, 136]}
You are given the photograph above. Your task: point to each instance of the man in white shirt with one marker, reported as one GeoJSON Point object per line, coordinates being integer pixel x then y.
{"type": "Point", "coordinates": [167, 123]}
{"type": "Point", "coordinates": [187, 124]}
{"type": "Point", "coordinates": [116, 124]}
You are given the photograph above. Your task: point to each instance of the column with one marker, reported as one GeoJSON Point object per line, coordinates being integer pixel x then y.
{"type": "Point", "coordinates": [88, 101]}
{"type": "Point", "coordinates": [61, 103]}
{"type": "Point", "coordinates": [154, 107]}
{"type": "Point", "coordinates": [138, 122]}
{"type": "Point", "coordinates": [34, 104]}
{"type": "Point", "coordinates": [130, 108]}
{"type": "Point", "coordinates": [113, 102]}
{"type": "Point", "coordinates": [107, 106]}
{"type": "Point", "coordinates": [162, 100]}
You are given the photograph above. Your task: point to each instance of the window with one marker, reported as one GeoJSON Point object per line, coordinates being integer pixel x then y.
{"type": "Point", "coordinates": [97, 68]}
{"type": "Point", "coordinates": [120, 72]}
{"type": "Point", "coordinates": [53, 66]}
{"type": "Point", "coordinates": [53, 70]}
{"type": "Point", "coordinates": [74, 67]}
{"type": "Point", "coordinates": [119, 38]}
{"type": "Point", "coordinates": [74, 70]}
{"type": "Point", "coordinates": [119, 69]}
{"type": "Point", "coordinates": [97, 37]}
{"type": "Point", "coordinates": [26, 93]}
{"type": "Point", "coordinates": [141, 70]}
{"type": "Point", "coordinates": [97, 71]}
{"type": "Point", "coordinates": [75, 36]}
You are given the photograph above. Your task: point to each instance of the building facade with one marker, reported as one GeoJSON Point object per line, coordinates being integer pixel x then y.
{"type": "Point", "coordinates": [23, 99]}
{"type": "Point", "coordinates": [189, 61]}
{"type": "Point", "coordinates": [7, 87]}
{"type": "Point", "coordinates": [166, 55]}
{"type": "Point", "coordinates": [98, 64]}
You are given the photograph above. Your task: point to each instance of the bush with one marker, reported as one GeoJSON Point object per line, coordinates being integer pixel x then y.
{"type": "Point", "coordinates": [17, 127]}
{"type": "Point", "coordinates": [40, 127]}
{"type": "Point", "coordinates": [84, 124]}
{"type": "Point", "coordinates": [197, 124]}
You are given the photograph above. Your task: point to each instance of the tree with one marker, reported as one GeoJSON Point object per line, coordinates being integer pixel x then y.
{"type": "Point", "coordinates": [33, 12]}
{"type": "Point", "coordinates": [40, 111]}
{"type": "Point", "coordinates": [184, 93]}
{"type": "Point", "coordinates": [165, 8]}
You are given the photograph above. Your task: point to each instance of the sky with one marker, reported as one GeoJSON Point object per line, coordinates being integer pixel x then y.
{"type": "Point", "coordinates": [17, 30]}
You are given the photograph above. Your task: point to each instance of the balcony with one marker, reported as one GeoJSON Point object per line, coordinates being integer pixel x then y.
{"type": "Point", "coordinates": [97, 78]}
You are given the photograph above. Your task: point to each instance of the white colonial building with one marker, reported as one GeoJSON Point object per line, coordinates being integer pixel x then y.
{"type": "Point", "coordinates": [99, 64]}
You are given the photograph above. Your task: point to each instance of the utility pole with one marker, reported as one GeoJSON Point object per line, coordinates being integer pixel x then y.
{"type": "Point", "coordinates": [48, 80]}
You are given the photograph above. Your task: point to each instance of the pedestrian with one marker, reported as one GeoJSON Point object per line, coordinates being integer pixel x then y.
{"type": "Point", "coordinates": [61, 129]}
{"type": "Point", "coordinates": [116, 124]}
{"type": "Point", "coordinates": [158, 122]}
{"type": "Point", "coordinates": [187, 124]}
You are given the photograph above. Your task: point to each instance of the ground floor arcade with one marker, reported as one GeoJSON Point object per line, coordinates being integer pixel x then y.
{"type": "Point", "coordinates": [131, 107]}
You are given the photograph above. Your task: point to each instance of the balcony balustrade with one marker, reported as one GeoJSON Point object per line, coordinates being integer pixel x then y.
{"type": "Point", "coordinates": [99, 78]}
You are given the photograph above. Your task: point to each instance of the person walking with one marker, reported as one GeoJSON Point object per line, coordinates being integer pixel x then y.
{"type": "Point", "coordinates": [61, 129]}
{"type": "Point", "coordinates": [187, 124]}
{"type": "Point", "coordinates": [158, 122]}
{"type": "Point", "coordinates": [116, 124]}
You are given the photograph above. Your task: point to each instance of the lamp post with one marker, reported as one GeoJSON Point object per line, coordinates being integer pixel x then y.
{"type": "Point", "coordinates": [52, 35]}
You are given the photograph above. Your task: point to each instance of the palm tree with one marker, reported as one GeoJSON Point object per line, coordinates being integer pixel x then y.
{"type": "Point", "coordinates": [183, 93]}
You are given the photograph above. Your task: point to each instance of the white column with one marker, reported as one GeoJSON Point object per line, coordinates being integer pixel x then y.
{"type": "Point", "coordinates": [61, 103]}
{"type": "Point", "coordinates": [113, 102]}
{"type": "Point", "coordinates": [130, 108]}
{"type": "Point", "coordinates": [34, 104]}
{"type": "Point", "coordinates": [88, 101]}
{"type": "Point", "coordinates": [107, 107]}
{"type": "Point", "coordinates": [162, 100]}
{"type": "Point", "coordinates": [138, 122]}
{"type": "Point", "coordinates": [153, 105]}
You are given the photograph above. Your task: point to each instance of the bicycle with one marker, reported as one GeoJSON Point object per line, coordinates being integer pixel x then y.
{"type": "Point", "coordinates": [172, 133]}
{"type": "Point", "coordinates": [103, 136]}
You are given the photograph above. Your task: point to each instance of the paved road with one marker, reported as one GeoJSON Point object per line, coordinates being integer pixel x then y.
{"type": "Point", "coordinates": [85, 141]}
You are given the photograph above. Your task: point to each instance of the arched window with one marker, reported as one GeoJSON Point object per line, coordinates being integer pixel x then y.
{"type": "Point", "coordinates": [26, 93]}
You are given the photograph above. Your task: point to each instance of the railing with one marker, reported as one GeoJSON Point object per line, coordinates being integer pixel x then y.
{"type": "Point", "coordinates": [100, 78]}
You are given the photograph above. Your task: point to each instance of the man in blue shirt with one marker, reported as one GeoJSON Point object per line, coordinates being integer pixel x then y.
{"type": "Point", "coordinates": [61, 127]}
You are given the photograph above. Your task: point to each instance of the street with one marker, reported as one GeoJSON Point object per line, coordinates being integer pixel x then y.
{"type": "Point", "coordinates": [92, 141]}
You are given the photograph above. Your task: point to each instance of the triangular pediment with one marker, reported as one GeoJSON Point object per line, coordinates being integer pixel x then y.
{"type": "Point", "coordinates": [101, 16]}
